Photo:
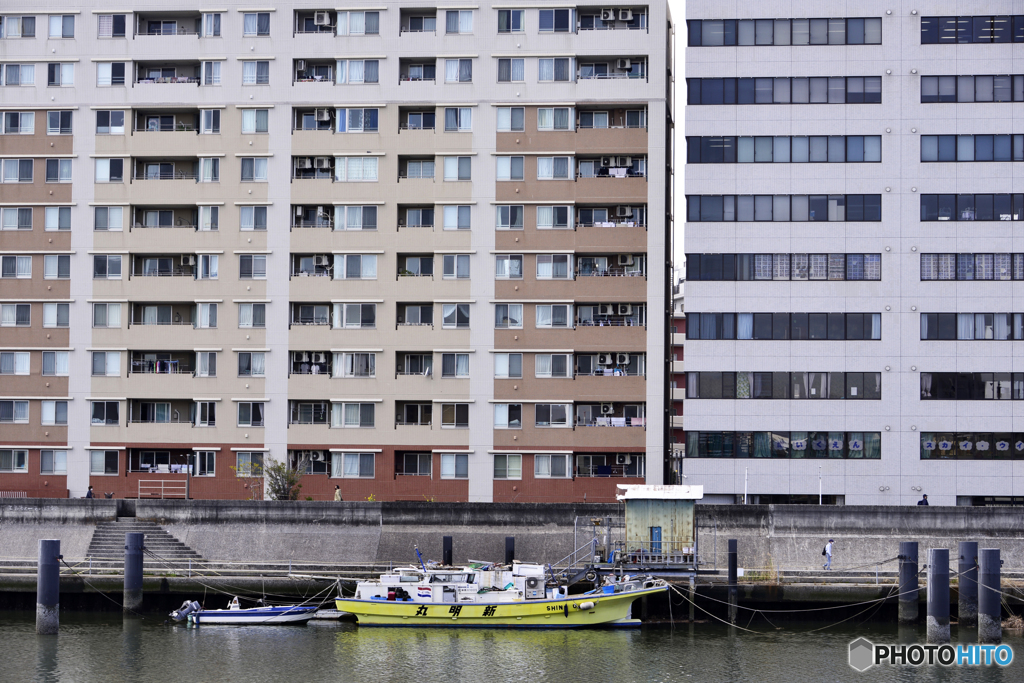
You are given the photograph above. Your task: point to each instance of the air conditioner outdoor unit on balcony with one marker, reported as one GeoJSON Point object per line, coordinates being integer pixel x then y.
{"type": "Point", "coordinates": [623, 64]}
{"type": "Point", "coordinates": [323, 162]}
{"type": "Point", "coordinates": [622, 359]}
{"type": "Point", "coordinates": [319, 357]}
{"type": "Point", "coordinates": [321, 260]}
{"type": "Point", "coordinates": [316, 456]}
{"type": "Point", "coordinates": [623, 211]}
{"type": "Point", "coordinates": [625, 259]}
{"type": "Point", "coordinates": [606, 309]}
{"type": "Point", "coordinates": [625, 15]}
{"type": "Point", "coordinates": [607, 408]}
{"type": "Point", "coordinates": [323, 114]}
{"type": "Point", "coordinates": [605, 359]}
{"type": "Point", "coordinates": [188, 260]}
{"type": "Point", "coordinates": [623, 161]}
{"type": "Point", "coordinates": [608, 15]}
{"type": "Point", "coordinates": [322, 19]}
{"type": "Point", "coordinates": [625, 309]}
{"type": "Point", "coordinates": [303, 162]}
{"type": "Point", "coordinates": [607, 161]}
{"type": "Point", "coordinates": [623, 459]}
{"type": "Point", "coordinates": [300, 64]}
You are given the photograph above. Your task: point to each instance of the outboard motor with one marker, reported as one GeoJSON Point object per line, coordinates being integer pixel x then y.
{"type": "Point", "coordinates": [187, 608]}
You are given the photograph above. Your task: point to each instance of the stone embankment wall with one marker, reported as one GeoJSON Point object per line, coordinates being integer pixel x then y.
{"type": "Point", "coordinates": [770, 536]}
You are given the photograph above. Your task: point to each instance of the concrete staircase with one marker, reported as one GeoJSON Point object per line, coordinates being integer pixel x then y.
{"type": "Point", "coordinates": [108, 542]}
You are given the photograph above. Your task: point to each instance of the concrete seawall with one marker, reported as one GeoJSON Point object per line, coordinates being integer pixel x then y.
{"type": "Point", "coordinates": [784, 537]}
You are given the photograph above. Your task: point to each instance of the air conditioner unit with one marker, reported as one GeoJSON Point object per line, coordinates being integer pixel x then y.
{"type": "Point", "coordinates": [625, 259]}
{"type": "Point", "coordinates": [623, 211]}
{"type": "Point", "coordinates": [625, 15]}
{"type": "Point", "coordinates": [535, 588]}
{"type": "Point", "coordinates": [623, 64]}
{"type": "Point", "coordinates": [323, 162]}
{"type": "Point", "coordinates": [607, 161]}
{"type": "Point", "coordinates": [606, 309]}
{"type": "Point", "coordinates": [623, 161]}
{"type": "Point", "coordinates": [188, 260]}
{"type": "Point", "coordinates": [303, 162]}
{"type": "Point", "coordinates": [622, 359]}
{"type": "Point", "coordinates": [323, 114]}
{"type": "Point", "coordinates": [300, 64]}
{"type": "Point", "coordinates": [297, 356]}
{"type": "Point", "coordinates": [625, 309]}
{"type": "Point", "coordinates": [605, 359]}
{"type": "Point", "coordinates": [608, 15]}
{"type": "Point", "coordinates": [607, 408]}
{"type": "Point", "coordinates": [322, 19]}
{"type": "Point", "coordinates": [319, 357]}
{"type": "Point", "coordinates": [622, 459]}
{"type": "Point", "coordinates": [321, 260]}
{"type": "Point", "coordinates": [316, 456]}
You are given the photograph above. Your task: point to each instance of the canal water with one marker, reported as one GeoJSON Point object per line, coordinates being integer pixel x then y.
{"type": "Point", "coordinates": [106, 648]}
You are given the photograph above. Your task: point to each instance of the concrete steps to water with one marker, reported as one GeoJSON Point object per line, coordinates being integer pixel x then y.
{"type": "Point", "coordinates": [108, 541]}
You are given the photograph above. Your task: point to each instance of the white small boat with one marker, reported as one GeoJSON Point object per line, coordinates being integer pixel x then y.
{"type": "Point", "coordinates": [235, 614]}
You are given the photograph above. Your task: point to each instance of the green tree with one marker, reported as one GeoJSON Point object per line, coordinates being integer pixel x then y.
{"type": "Point", "coordinates": [283, 482]}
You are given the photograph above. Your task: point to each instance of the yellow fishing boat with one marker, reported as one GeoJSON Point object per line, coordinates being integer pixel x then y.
{"type": "Point", "coordinates": [493, 596]}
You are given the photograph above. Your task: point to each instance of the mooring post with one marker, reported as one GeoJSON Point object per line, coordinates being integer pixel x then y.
{"type": "Point", "coordinates": [693, 591]}
{"type": "Point", "coordinates": [48, 588]}
{"type": "Point", "coordinates": [446, 551]}
{"type": "Point", "coordinates": [938, 595]}
{"type": "Point", "coordinates": [133, 544]}
{"type": "Point", "coordinates": [510, 549]}
{"type": "Point", "coordinates": [967, 585]}
{"type": "Point", "coordinates": [990, 610]}
{"type": "Point", "coordinates": [908, 607]}
{"type": "Point", "coordinates": [733, 590]}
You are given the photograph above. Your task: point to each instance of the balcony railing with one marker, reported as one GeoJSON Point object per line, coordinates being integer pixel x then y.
{"type": "Point", "coordinates": [609, 322]}
{"type": "Point", "coordinates": [180, 223]}
{"type": "Point", "coordinates": [172, 420]}
{"type": "Point", "coordinates": [612, 422]}
{"type": "Point", "coordinates": [160, 367]}
{"type": "Point", "coordinates": [413, 424]}
{"type": "Point", "coordinates": [170, 79]}
{"type": "Point", "coordinates": [174, 272]}
{"type": "Point", "coordinates": [167, 175]}
{"type": "Point", "coordinates": [162, 322]}
{"type": "Point", "coordinates": [610, 272]}
{"type": "Point", "coordinates": [318, 223]}
{"type": "Point", "coordinates": [613, 224]}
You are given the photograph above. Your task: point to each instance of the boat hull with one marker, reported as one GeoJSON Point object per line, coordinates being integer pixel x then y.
{"type": "Point", "coordinates": [250, 617]}
{"type": "Point", "coordinates": [606, 610]}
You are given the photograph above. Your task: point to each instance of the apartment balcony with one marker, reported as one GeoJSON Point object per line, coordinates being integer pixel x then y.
{"type": "Point", "coordinates": [678, 366]}
{"type": "Point", "coordinates": [612, 139]}
{"type": "Point", "coordinates": [315, 25]}
{"type": "Point", "coordinates": [156, 180]}
{"type": "Point", "coordinates": [625, 235]}
{"type": "Point", "coordinates": [608, 287]}
{"type": "Point", "coordinates": [171, 218]}
{"type": "Point", "coordinates": [678, 338]}
{"type": "Point", "coordinates": [625, 189]}
{"type": "Point", "coordinates": [613, 335]}
{"type": "Point", "coordinates": [163, 26]}
{"type": "Point", "coordinates": [170, 76]}
{"type": "Point", "coordinates": [315, 364]}
{"type": "Point", "coordinates": [159, 413]}
{"type": "Point", "coordinates": [417, 70]}
{"type": "Point", "coordinates": [676, 422]}
{"type": "Point", "coordinates": [678, 394]}
{"type": "Point", "coordinates": [171, 376]}
{"type": "Point", "coordinates": [606, 388]}
{"type": "Point", "coordinates": [611, 68]}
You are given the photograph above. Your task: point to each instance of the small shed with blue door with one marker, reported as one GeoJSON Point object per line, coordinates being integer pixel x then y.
{"type": "Point", "coordinates": [660, 524]}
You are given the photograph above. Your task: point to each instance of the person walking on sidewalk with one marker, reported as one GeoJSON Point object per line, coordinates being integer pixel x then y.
{"type": "Point", "coordinates": [827, 552]}
{"type": "Point", "coordinates": [924, 500]}
{"type": "Point", "coordinates": [337, 492]}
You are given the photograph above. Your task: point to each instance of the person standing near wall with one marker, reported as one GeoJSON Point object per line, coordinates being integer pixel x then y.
{"type": "Point", "coordinates": [924, 500]}
{"type": "Point", "coordinates": [827, 552]}
{"type": "Point", "coordinates": [337, 492]}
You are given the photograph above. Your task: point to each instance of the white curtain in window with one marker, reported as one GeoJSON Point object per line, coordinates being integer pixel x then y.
{"type": "Point", "coordinates": [462, 365]}
{"type": "Point", "coordinates": [60, 364]}
{"type": "Point", "coordinates": [341, 73]}
{"type": "Point", "coordinates": [351, 464]}
{"type": "Point", "coordinates": [352, 415]}
{"type": "Point", "coordinates": [451, 70]}
{"type": "Point", "coordinates": [113, 363]}
{"type": "Point", "coordinates": [543, 316]}
{"type": "Point", "coordinates": [114, 315]}
{"type": "Point", "coordinates": [245, 315]}
{"type": "Point", "coordinates": [965, 326]}
{"type": "Point", "coordinates": [543, 365]}
{"type": "Point", "coordinates": [356, 71]}
{"type": "Point", "coordinates": [149, 314]}
{"type": "Point", "coordinates": [258, 364]}
{"type": "Point", "coordinates": [545, 167]}
{"type": "Point", "coordinates": [337, 409]}
{"type": "Point", "coordinates": [337, 462]}
{"type": "Point", "coordinates": [248, 72]}
{"type": "Point", "coordinates": [249, 26]}
{"type": "Point", "coordinates": [744, 326]}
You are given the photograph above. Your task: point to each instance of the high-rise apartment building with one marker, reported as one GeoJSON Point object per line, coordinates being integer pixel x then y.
{"type": "Point", "coordinates": [873, 357]}
{"type": "Point", "coordinates": [416, 251]}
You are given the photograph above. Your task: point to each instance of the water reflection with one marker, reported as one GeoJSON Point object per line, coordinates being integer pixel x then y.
{"type": "Point", "coordinates": [105, 648]}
